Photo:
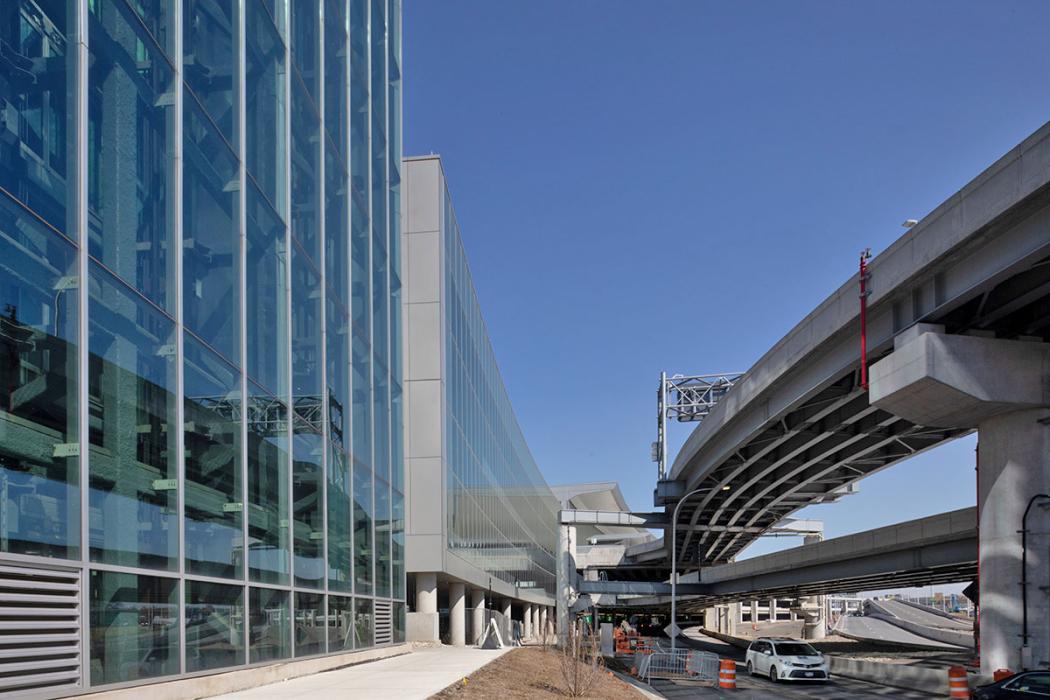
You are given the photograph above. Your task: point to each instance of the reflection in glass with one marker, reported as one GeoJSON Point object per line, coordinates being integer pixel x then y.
{"type": "Point", "coordinates": [362, 402]}
{"type": "Point", "coordinates": [335, 117]}
{"type": "Point", "coordinates": [39, 106]}
{"type": "Point", "coordinates": [213, 463]}
{"type": "Point", "coordinates": [133, 474]}
{"type": "Point", "coordinates": [340, 527]}
{"type": "Point", "coordinates": [264, 102]}
{"type": "Point", "coordinates": [340, 623]}
{"type": "Point", "coordinates": [337, 328]}
{"type": "Point", "coordinates": [309, 624]}
{"type": "Point", "coordinates": [336, 268]}
{"type": "Point", "coordinates": [308, 514]}
{"type": "Point", "coordinates": [382, 496]}
{"type": "Point", "coordinates": [269, 625]}
{"type": "Point", "coordinates": [305, 44]}
{"type": "Point", "coordinates": [130, 151]}
{"type": "Point", "coordinates": [363, 623]}
{"type": "Point", "coordinates": [306, 181]}
{"type": "Point", "coordinates": [399, 623]}
{"type": "Point", "coordinates": [39, 470]}
{"type": "Point", "coordinates": [268, 502]}
{"type": "Point", "coordinates": [209, 59]}
{"type": "Point", "coordinates": [214, 626]}
{"type": "Point", "coordinates": [134, 627]}
{"type": "Point", "coordinates": [210, 259]}
{"type": "Point", "coordinates": [397, 545]}
{"type": "Point", "coordinates": [362, 529]}
{"type": "Point", "coordinates": [306, 335]}
{"type": "Point", "coordinates": [267, 295]}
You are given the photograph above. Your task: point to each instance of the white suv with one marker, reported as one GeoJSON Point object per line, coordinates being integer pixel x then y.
{"type": "Point", "coordinates": [784, 659]}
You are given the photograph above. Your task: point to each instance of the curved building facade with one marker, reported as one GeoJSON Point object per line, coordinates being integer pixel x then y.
{"type": "Point", "coordinates": [481, 519]}
{"type": "Point", "coordinates": [201, 461]}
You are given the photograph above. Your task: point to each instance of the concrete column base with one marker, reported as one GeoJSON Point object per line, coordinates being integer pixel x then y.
{"type": "Point", "coordinates": [457, 615]}
{"type": "Point", "coordinates": [422, 627]}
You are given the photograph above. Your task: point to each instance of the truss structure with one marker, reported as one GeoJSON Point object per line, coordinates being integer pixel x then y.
{"type": "Point", "coordinates": [687, 400]}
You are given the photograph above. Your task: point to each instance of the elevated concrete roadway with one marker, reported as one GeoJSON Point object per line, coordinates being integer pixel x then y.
{"type": "Point", "coordinates": [799, 428]}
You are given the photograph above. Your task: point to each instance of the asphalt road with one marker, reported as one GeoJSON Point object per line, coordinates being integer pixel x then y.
{"type": "Point", "coordinates": [922, 617]}
{"type": "Point", "coordinates": [872, 628]}
{"type": "Point", "coordinates": [753, 688]}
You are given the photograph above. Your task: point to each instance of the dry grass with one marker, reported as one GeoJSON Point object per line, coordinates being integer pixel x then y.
{"type": "Point", "coordinates": [531, 672]}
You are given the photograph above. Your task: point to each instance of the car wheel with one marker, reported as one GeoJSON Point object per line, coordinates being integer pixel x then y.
{"type": "Point", "coordinates": [750, 669]}
{"type": "Point", "coordinates": [773, 674]}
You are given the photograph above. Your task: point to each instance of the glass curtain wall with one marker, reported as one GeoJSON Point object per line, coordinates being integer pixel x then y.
{"type": "Point", "coordinates": [200, 352]}
{"type": "Point", "coordinates": [502, 515]}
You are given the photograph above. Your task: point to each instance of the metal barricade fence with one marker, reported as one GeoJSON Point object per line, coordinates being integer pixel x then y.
{"type": "Point", "coordinates": [679, 663]}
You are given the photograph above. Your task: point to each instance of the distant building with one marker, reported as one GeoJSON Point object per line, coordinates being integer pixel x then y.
{"type": "Point", "coordinates": [481, 520]}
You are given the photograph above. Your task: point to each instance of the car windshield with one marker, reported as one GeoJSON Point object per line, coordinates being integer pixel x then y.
{"type": "Point", "coordinates": [795, 649]}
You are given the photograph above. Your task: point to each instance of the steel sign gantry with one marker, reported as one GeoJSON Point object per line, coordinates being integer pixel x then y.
{"type": "Point", "coordinates": [687, 400]}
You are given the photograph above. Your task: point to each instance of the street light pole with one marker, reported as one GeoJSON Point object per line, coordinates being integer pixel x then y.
{"type": "Point", "coordinates": [674, 558]}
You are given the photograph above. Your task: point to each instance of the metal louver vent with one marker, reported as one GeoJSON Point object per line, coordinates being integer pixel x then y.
{"type": "Point", "coordinates": [384, 622]}
{"type": "Point", "coordinates": [39, 631]}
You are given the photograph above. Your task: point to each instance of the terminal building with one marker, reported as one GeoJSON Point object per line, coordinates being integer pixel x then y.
{"type": "Point", "coordinates": [201, 457]}
{"type": "Point", "coordinates": [481, 526]}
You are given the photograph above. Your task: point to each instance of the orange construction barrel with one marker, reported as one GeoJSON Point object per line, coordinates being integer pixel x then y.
{"type": "Point", "coordinates": [1001, 673]}
{"type": "Point", "coordinates": [727, 674]}
{"type": "Point", "coordinates": [957, 685]}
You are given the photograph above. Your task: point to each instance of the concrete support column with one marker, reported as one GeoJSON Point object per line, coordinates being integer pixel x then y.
{"type": "Point", "coordinates": [565, 596]}
{"type": "Point", "coordinates": [771, 605]}
{"type": "Point", "coordinates": [1001, 388]}
{"type": "Point", "coordinates": [1014, 457]}
{"type": "Point", "coordinates": [754, 613]}
{"type": "Point", "coordinates": [457, 614]}
{"type": "Point", "coordinates": [544, 630]}
{"type": "Point", "coordinates": [527, 620]}
{"type": "Point", "coordinates": [477, 604]}
{"type": "Point", "coordinates": [423, 621]}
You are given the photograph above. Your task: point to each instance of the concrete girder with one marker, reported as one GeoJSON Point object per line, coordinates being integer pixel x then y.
{"type": "Point", "coordinates": [831, 425]}
{"type": "Point", "coordinates": [808, 414]}
{"type": "Point", "coordinates": [878, 442]}
{"type": "Point", "coordinates": [837, 442]}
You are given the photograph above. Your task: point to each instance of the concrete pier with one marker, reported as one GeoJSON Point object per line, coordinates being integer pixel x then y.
{"type": "Point", "coordinates": [477, 626]}
{"type": "Point", "coordinates": [457, 614]}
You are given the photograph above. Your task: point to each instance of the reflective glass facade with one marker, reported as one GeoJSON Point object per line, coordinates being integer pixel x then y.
{"type": "Point", "coordinates": [498, 513]}
{"type": "Point", "coordinates": [200, 352]}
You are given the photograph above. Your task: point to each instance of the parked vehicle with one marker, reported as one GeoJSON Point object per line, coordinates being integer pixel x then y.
{"type": "Point", "coordinates": [1028, 685]}
{"type": "Point", "coordinates": [786, 659]}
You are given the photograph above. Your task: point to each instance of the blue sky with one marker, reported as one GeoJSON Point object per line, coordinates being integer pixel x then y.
{"type": "Point", "coordinates": [674, 185]}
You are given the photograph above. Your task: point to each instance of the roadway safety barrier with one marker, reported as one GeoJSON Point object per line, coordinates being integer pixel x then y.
{"type": "Point", "coordinates": [678, 663]}
{"type": "Point", "coordinates": [1001, 673]}
{"type": "Point", "coordinates": [957, 684]}
{"type": "Point", "coordinates": [727, 674]}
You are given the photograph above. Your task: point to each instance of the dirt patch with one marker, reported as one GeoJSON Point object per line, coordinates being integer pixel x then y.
{"type": "Point", "coordinates": [531, 672]}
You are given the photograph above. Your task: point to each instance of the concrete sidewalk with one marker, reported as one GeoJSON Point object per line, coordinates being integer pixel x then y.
{"type": "Point", "coordinates": [412, 676]}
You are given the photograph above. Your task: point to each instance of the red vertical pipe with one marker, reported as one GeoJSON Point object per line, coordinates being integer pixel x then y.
{"type": "Point", "coordinates": [864, 318]}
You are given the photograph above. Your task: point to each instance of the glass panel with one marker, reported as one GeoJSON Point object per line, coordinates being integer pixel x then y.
{"type": "Point", "coordinates": [214, 626]}
{"type": "Point", "coordinates": [210, 60]}
{"type": "Point", "coordinates": [335, 98]}
{"type": "Point", "coordinates": [211, 265]}
{"type": "Point", "coordinates": [338, 364]}
{"type": "Point", "coordinates": [340, 623]}
{"type": "Point", "coordinates": [307, 472]}
{"type": "Point", "coordinates": [306, 335]}
{"type": "Point", "coordinates": [398, 545]}
{"type": "Point", "coordinates": [309, 624]}
{"type": "Point", "coordinates": [306, 39]}
{"type": "Point", "coordinates": [268, 484]}
{"type": "Point", "coordinates": [132, 392]}
{"type": "Point", "coordinates": [335, 224]}
{"type": "Point", "coordinates": [134, 627]}
{"type": "Point", "coordinates": [264, 103]}
{"type": "Point", "coordinates": [37, 147]}
{"type": "Point", "coordinates": [364, 632]}
{"type": "Point", "coordinates": [306, 173]}
{"type": "Point", "coordinates": [381, 420]}
{"type": "Point", "coordinates": [340, 532]}
{"type": "Point", "coordinates": [157, 15]}
{"type": "Point", "coordinates": [213, 464]}
{"type": "Point", "coordinates": [269, 625]}
{"type": "Point", "coordinates": [267, 295]}
{"type": "Point", "coordinates": [363, 529]}
{"type": "Point", "coordinates": [362, 403]}
{"type": "Point", "coordinates": [130, 160]}
{"type": "Point", "coordinates": [39, 470]}
{"type": "Point", "coordinates": [382, 497]}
